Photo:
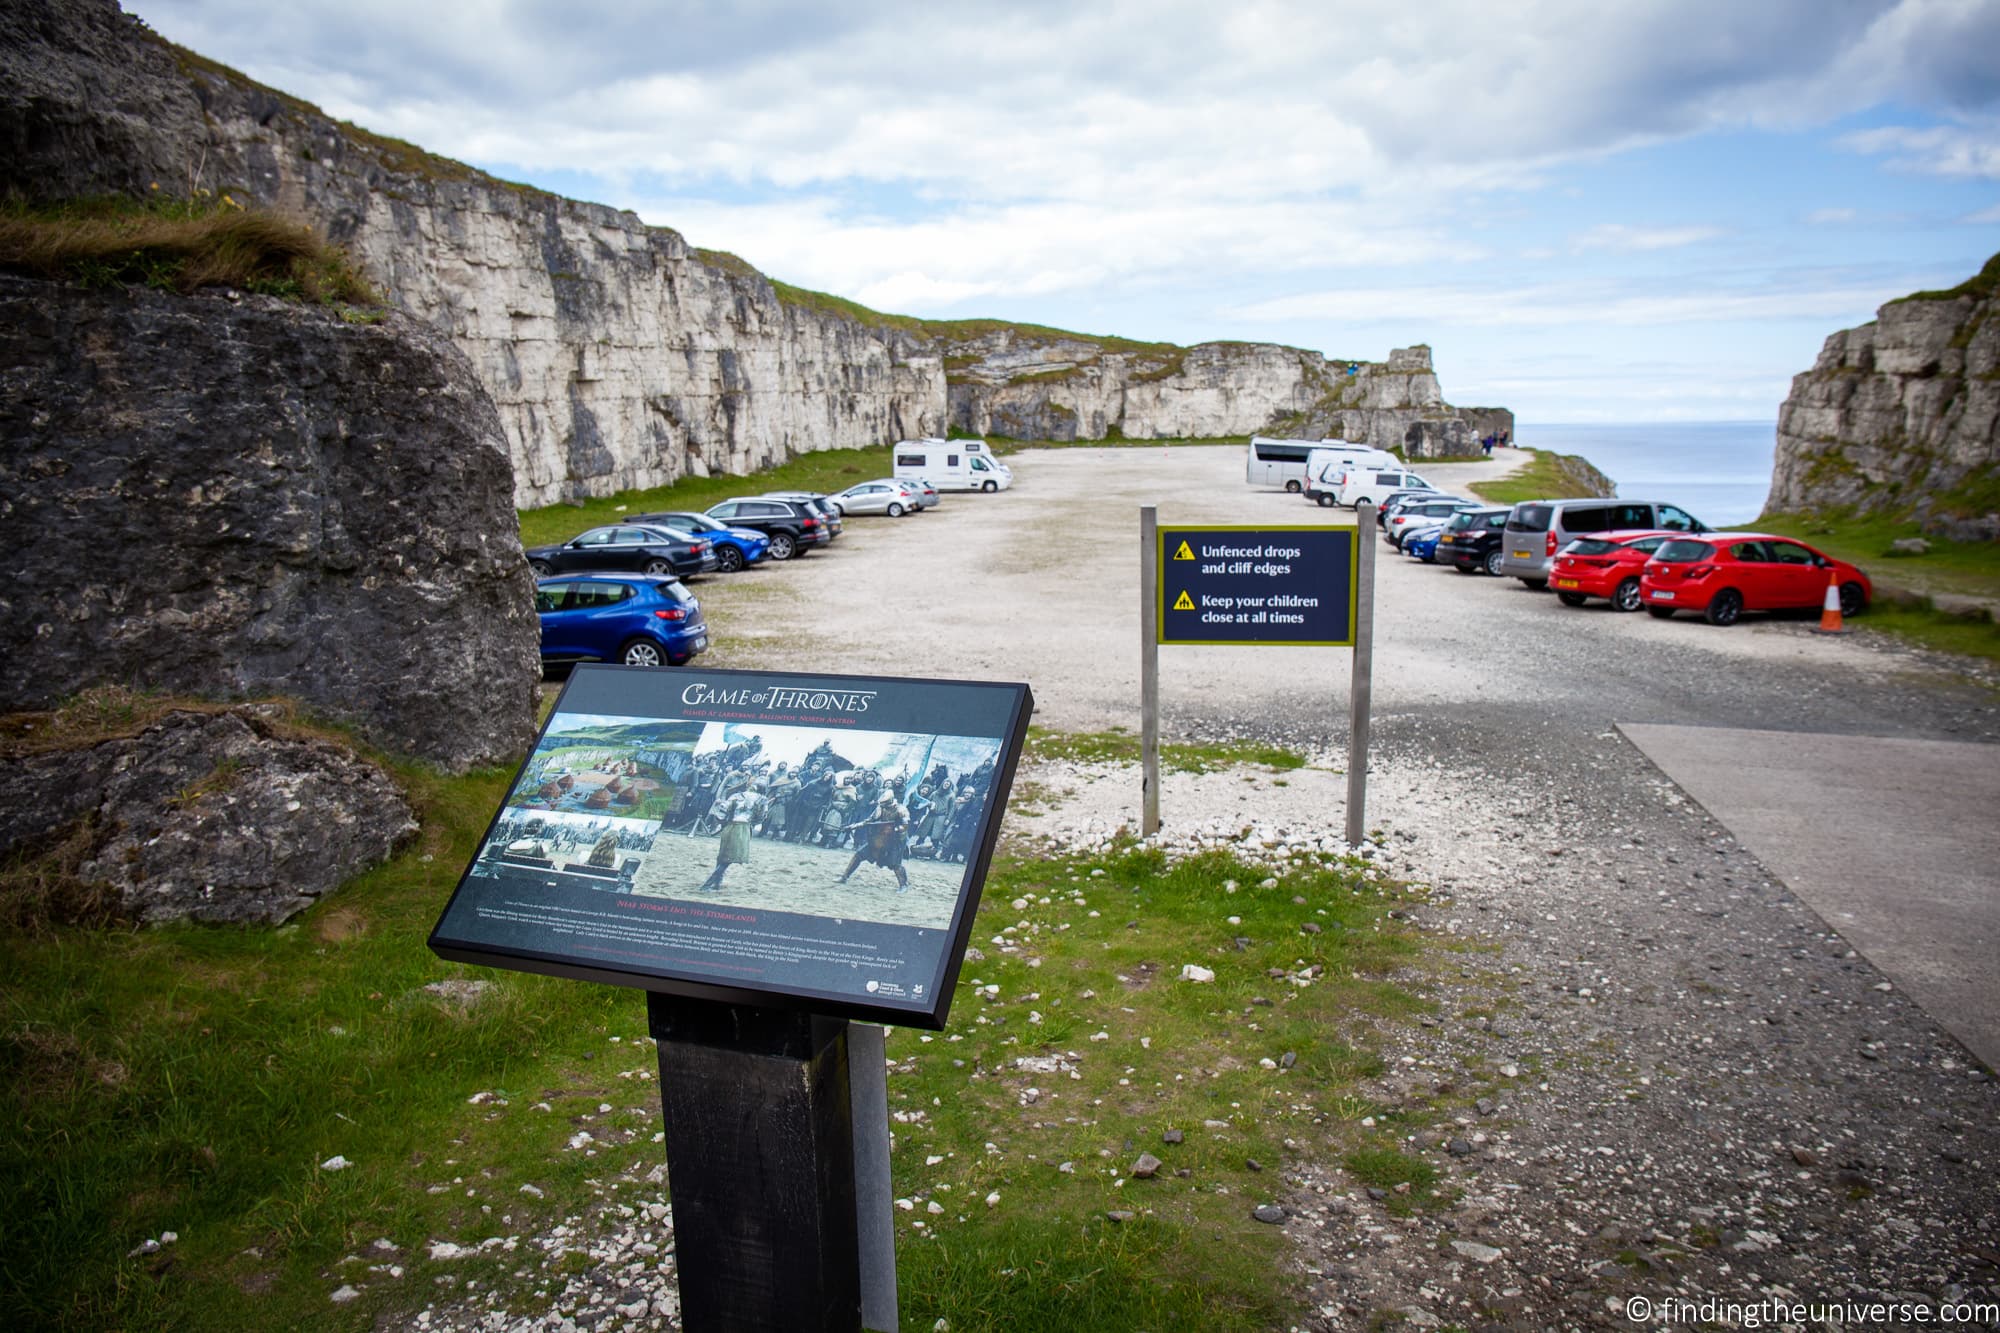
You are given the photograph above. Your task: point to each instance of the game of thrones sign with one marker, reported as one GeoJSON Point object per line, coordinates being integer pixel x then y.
{"type": "Point", "coordinates": [765, 838]}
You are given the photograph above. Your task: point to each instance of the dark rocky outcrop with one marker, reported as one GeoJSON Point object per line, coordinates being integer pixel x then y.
{"type": "Point", "coordinates": [1901, 416]}
{"type": "Point", "coordinates": [236, 497]}
{"type": "Point", "coordinates": [208, 816]}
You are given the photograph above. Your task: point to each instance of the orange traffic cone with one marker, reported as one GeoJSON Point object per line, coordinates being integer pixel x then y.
{"type": "Point", "coordinates": [1829, 616]}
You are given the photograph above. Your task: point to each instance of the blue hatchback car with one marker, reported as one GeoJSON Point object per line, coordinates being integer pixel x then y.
{"type": "Point", "coordinates": [636, 619]}
{"type": "Point", "coordinates": [1423, 543]}
{"type": "Point", "coordinates": [735, 548]}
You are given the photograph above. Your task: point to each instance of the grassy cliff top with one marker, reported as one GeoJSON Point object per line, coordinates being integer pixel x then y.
{"type": "Point", "coordinates": [1981, 283]}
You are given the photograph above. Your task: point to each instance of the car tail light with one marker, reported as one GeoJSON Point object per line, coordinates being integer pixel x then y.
{"type": "Point", "coordinates": [808, 522]}
{"type": "Point", "coordinates": [700, 547]}
{"type": "Point", "coordinates": [671, 613]}
{"type": "Point", "coordinates": [1552, 541]}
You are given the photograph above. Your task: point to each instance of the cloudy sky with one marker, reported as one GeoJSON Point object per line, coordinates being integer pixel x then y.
{"type": "Point", "coordinates": [1592, 211]}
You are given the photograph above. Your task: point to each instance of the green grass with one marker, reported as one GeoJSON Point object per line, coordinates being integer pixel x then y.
{"type": "Point", "coordinates": [1547, 476]}
{"type": "Point", "coordinates": [1982, 283]}
{"type": "Point", "coordinates": [192, 1079]}
{"type": "Point", "coordinates": [1118, 745]}
{"type": "Point", "coordinates": [181, 246]}
{"type": "Point", "coordinates": [826, 470]}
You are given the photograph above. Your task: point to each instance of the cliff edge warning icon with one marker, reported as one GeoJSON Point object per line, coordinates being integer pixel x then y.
{"type": "Point", "coordinates": [1184, 554]}
{"type": "Point", "coordinates": [1183, 602]}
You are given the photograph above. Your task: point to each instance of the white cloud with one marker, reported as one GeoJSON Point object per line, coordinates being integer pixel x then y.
{"type": "Point", "coordinates": [1938, 150]}
{"type": "Point", "coordinates": [1617, 237]}
{"type": "Point", "coordinates": [1984, 216]}
{"type": "Point", "coordinates": [1579, 303]}
{"type": "Point", "coordinates": [1830, 217]}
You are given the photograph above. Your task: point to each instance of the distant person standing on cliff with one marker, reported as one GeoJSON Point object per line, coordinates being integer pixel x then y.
{"type": "Point", "coordinates": [1487, 445]}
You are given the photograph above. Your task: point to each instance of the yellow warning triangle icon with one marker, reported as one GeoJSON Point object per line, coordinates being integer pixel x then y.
{"type": "Point", "coordinates": [1183, 602]}
{"type": "Point", "coordinates": [1184, 554]}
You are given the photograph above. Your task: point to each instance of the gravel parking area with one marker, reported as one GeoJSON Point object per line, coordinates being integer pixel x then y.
{"type": "Point", "coordinates": [1653, 1073]}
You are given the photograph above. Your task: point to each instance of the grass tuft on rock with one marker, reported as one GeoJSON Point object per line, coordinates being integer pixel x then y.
{"type": "Point", "coordinates": [181, 247]}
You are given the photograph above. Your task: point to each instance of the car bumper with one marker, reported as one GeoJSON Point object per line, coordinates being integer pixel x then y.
{"type": "Point", "coordinates": [1516, 566]}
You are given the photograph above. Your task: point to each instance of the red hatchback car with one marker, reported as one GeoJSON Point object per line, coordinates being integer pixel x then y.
{"type": "Point", "coordinates": [1605, 564]}
{"type": "Point", "coordinates": [1724, 574]}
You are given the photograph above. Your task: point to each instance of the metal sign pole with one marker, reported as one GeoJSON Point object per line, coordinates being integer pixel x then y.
{"type": "Point", "coordinates": [1149, 670]}
{"type": "Point", "coordinates": [1364, 655]}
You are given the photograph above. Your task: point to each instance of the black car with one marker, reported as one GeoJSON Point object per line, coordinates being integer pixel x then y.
{"type": "Point", "coordinates": [642, 550]}
{"type": "Point", "coordinates": [823, 505]}
{"type": "Point", "coordinates": [1470, 541]}
{"type": "Point", "coordinates": [792, 526]}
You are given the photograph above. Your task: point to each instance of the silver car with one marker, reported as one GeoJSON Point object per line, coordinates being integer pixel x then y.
{"type": "Point", "coordinates": [927, 494]}
{"type": "Point", "coordinates": [893, 498]}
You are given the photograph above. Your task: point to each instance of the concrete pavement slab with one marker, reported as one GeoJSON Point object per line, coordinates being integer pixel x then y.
{"type": "Point", "coordinates": [1896, 843]}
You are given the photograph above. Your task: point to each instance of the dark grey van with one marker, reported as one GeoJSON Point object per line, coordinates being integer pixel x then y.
{"type": "Point", "coordinates": [1537, 529]}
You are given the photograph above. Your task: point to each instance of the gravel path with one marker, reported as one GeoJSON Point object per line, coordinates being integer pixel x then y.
{"type": "Point", "coordinates": [1658, 1076]}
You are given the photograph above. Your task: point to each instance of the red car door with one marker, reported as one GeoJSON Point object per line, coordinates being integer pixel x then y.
{"type": "Point", "coordinates": [1803, 581]}
{"type": "Point", "coordinates": [1751, 570]}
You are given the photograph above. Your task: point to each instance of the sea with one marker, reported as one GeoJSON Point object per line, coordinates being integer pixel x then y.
{"type": "Point", "coordinates": [1719, 471]}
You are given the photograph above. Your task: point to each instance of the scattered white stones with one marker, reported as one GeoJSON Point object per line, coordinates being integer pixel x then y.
{"type": "Point", "coordinates": [344, 1293]}
{"type": "Point", "coordinates": [1195, 972]}
{"type": "Point", "coordinates": [335, 1163]}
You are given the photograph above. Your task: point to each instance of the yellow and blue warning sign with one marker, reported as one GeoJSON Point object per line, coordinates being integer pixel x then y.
{"type": "Point", "coordinates": [1289, 585]}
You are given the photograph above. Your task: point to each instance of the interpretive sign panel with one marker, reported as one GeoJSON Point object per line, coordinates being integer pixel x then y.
{"type": "Point", "coordinates": [1289, 585]}
{"type": "Point", "coordinates": [765, 838]}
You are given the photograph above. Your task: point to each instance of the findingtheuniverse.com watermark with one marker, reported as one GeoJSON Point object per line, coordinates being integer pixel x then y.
{"type": "Point", "coordinates": [1767, 1313]}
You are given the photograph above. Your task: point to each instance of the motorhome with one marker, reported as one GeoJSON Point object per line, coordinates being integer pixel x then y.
{"type": "Point", "coordinates": [1273, 462]}
{"type": "Point", "coordinates": [951, 465]}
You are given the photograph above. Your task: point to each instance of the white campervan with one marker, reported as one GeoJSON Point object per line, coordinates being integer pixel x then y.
{"type": "Point", "coordinates": [950, 465]}
{"type": "Point", "coordinates": [1328, 464]}
{"type": "Point", "coordinates": [1278, 462]}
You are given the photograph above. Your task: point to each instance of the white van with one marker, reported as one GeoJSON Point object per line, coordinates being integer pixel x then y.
{"type": "Point", "coordinates": [1327, 464]}
{"type": "Point", "coordinates": [950, 465]}
{"type": "Point", "coordinates": [1371, 484]}
{"type": "Point", "coordinates": [978, 447]}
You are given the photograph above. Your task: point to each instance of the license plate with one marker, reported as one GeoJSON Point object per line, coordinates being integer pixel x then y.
{"type": "Point", "coordinates": [701, 641]}
{"type": "Point", "coordinates": [1444, 541]}
{"type": "Point", "coordinates": [1567, 583]}
{"type": "Point", "coordinates": [1520, 555]}
{"type": "Point", "coordinates": [1659, 596]}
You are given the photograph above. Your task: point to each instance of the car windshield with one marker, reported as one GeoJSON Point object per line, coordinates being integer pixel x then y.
{"type": "Point", "coordinates": [671, 534]}
{"type": "Point", "coordinates": [1531, 518]}
{"type": "Point", "coordinates": [698, 523]}
{"type": "Point", "coordinates": [1683, 552]}
{"type": "Point", "coordinates": [1589, 546]}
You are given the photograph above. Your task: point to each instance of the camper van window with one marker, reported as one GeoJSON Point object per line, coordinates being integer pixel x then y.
{"type": "Point", "coordinates": [951, 460]}
{"type": "Point", "coordinates": [912, 460]}
{"type": "Point", "coordinates": [979, 465]}
{"type": "Point", "coordinates": [1282, 453]}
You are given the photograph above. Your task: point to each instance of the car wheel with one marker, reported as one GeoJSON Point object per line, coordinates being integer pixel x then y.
{"type": "Point", "coordinates": [1493, 559]}
{"type": "Point", "coordinates": [1853, 601]}
{"type": "Point", "coordinates": [895, 510]}
{"type": "Point", "coordinates": [642, 653]}
{"type": "Point", "coordinates": [990, 486]}
{"type": "Point", "coordinates": [542, 568]}
{"type": "Point", "coordinates": [782, 546]}
{"type": "Point", "coordinates": [1660, 612]}
{"type": "Point", "coordinates": [1293, 488]}
{"type": "Point", "coordinates": [1571, 598]}
{"type": "Point", "coordinates": [1724, 607]}
{"type": "Point", "coordinates": [1365, 500]}
{"type": "Point", "coordinates": [1625, 597]}
{"type": "Point", "coordinates": [1537, 585]}
{"type": "Point", "coordinates": [728, 559]}
{"type": "Point", "coordinates": [1465, 569]}
{"type": "Point", "coordinates": [1325, 501]}
{"type": "Point", "coordinates": [658, 568]}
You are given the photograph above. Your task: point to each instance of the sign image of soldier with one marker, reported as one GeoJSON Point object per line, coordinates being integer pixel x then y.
{"type": "Point", "coordinates": [601, 851]}
{"type": "Point", "coordinates": [855, 825]}
{"type": "Point", "coordinates": [627, 767]}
